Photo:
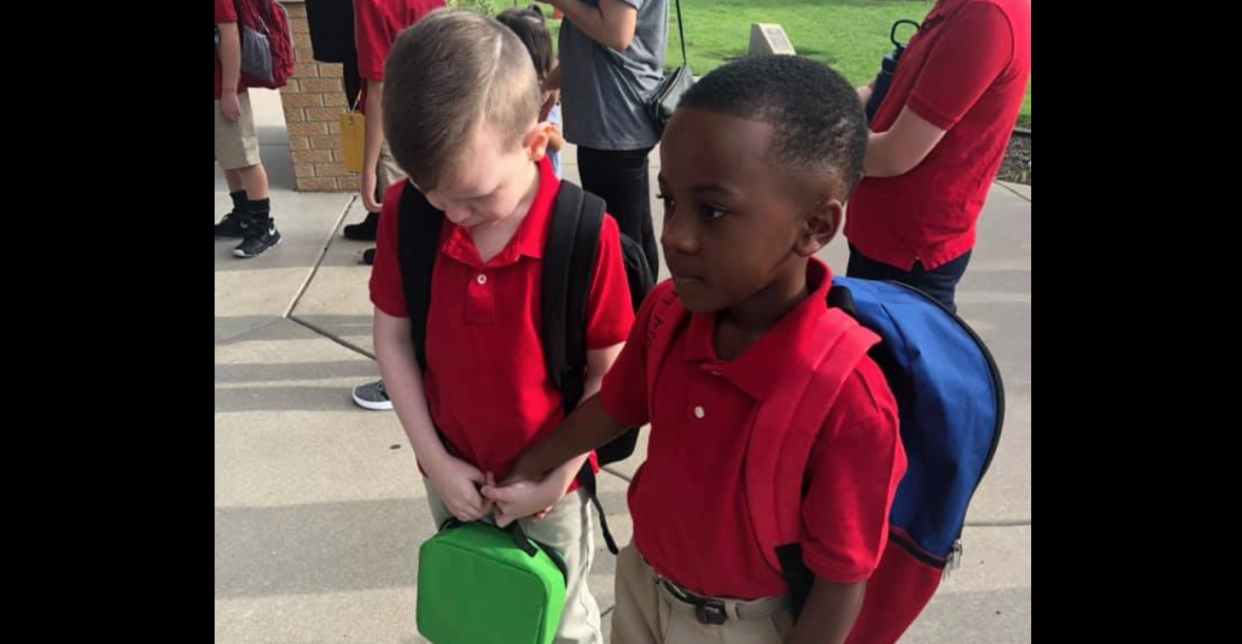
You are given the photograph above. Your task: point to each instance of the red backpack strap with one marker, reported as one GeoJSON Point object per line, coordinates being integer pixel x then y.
{"type": "Point", "coordinates": [666, 315]}
{"type": "Point", "coordinates": [787, 426]}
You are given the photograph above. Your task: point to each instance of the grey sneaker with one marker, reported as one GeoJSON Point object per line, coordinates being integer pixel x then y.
{"type": "Point", "coordinates": [372, 396]}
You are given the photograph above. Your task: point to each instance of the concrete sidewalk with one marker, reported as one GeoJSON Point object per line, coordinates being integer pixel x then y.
{"type": "Point", "coordinates": [318, 503]}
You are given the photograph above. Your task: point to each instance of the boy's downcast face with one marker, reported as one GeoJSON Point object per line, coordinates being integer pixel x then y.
{"type": "Point", "coordinates": [491, 178]}
{"type": "Point", "coordinates": [732, 218]}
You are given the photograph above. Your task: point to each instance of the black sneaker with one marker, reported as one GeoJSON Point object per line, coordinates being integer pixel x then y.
{"type": "Point", "coordinates": [365, 231]}
{"type": "Point", "coordinates": [259, 238]}
{"type": "Point", "coordinates": [233, 225]}
{"type": "Point", "coordinates": [368, 256]}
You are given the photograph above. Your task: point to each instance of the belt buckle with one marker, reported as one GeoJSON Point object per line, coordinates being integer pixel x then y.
{"type": "Point", "coordinates": [711, 612]}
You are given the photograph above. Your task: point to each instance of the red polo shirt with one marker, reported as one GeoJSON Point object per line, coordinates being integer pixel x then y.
{"type": "Point", "coordinates": [487, 381]}
{"type": "Point", "coordinates": [964, 72]}
{"type": "Point", "coordinates": [688, 499]}
{"type": "Point", "coordinates": [377, 23]}
{"type": "Point", "coordinates": [225, 13]}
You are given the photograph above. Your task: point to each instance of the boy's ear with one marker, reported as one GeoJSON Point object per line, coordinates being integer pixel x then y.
{"type": "Point", "coordinates": [822, 223]}
{"type": "Point", "coordinates": [535, 141]}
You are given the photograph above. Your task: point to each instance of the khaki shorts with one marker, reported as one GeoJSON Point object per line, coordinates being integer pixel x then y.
{"type": "Point", "coordinates": [646, 614]}
{"type": "Point", "coordinates": [237, 145]}
{"type": "Point", "coordinates": [386, 173]}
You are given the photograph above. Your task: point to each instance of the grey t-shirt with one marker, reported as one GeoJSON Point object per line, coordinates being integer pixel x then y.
{"type": "Point", "coordinates": [604, 92]}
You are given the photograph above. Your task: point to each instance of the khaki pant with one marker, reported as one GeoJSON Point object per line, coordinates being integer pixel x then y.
{"type": "Point", "coordinates": [646, 615]}
{"type": "Point", "coordinates": [568, 529]}
{"type": "Point", "coordinates": [237, 145]}
{"type": "Point", "coordinates": [386, 172]}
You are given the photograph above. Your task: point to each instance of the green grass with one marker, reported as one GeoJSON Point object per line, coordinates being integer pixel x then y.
{"type": "Point", "coordinates": [849, 35]}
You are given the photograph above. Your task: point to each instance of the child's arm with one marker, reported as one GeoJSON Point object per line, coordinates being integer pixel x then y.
{"type": "Point", "coordinates": [374, 141]}
{"type": "Point", "coordinates": [829, 612]}
{"type": "Point", "coordinates": [553, 82]}
{"type": "Point", "coordinates": [852, 476]}
{"type": "Point", "coordinates": [230, 70]}
{"type": "Point", "coordinates": [452, 478]}
{"type": "Point", "coordinates": [551, 90]}
{"type": "Point", "coordinates": [610, 321]}
{"type": "Point", "coordinates": [902, 147]}
{"type": "Point", "coordinates": [587, 428]}
{"type": "Point", "coordinates": [524, 498]}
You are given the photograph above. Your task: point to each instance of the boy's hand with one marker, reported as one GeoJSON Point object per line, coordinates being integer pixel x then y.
{"type": "Point", "coordinates": [523, 499]}
{"type": "Point", "coordinates": [230, 106]}
{"type": "Point", "coordinates": [550, 97]}
{"type": "Point", "coordinates": [456, 481]}
{"type": "Point", "coordinates": [521, 472]}
{"type": "Point", "coordinates": [370, 180]}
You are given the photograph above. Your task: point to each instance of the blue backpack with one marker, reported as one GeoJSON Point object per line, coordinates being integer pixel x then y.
{"type": "Point", "coordinates": [950, 403]}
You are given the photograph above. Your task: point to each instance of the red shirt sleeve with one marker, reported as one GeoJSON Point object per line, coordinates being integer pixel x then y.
{"type": "Point", "coordinates": [974, 50]}
{"type": "Point", "coordinates": [225, 11]}
{"type": "Point", "coordinates": [387, 288]}
{"type": "Point", "coordinates": [624, 392]}
{"type": "Point", "coordinates": [610, 312]}
{"type": "Point", "coordinates": [855, 467]}
{"type": "Point", "coordinates": [373, 36]}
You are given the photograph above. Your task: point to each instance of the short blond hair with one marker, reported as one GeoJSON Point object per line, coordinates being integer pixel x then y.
{"type": "Point", "coordinates": [444, 76]}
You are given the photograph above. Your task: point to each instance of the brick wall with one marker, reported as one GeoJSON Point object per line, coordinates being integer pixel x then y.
{"type": "Point", "coordinates": [313, 101]}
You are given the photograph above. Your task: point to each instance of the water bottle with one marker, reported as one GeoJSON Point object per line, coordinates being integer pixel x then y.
{"type": "Point", "coordinates": [888, 68]}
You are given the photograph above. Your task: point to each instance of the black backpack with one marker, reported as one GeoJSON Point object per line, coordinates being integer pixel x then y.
{"type": "Point", "coordinates": [568, 269]}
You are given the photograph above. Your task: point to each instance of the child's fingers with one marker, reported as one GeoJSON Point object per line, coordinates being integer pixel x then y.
{"type": "Point", "coordinates": [462, 515]}
{"type": "Point", "coordinates": [500, 494]}
{"type": "Point", "coordinates": [489, 486]}
{"type": "Point", "coordinates": [472, 502]}
{"type": "Point", "coordinates": [476, 476]}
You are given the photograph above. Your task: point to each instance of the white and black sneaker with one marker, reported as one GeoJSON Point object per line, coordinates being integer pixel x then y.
{"type": "Point", "coordinates": [372, 396]}
{"type": "Point", "coordinates": [233, 226]}
{"type": "Point", "coordinates": [260, 236]}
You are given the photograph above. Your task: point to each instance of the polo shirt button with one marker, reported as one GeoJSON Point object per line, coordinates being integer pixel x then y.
{"type": "Point", "coordinates": [481, 279]}
{"type": "Point", "coordinates": [699, 412]}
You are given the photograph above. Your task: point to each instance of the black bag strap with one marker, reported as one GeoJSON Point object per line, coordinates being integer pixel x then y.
{"type": "Point", "coordinates": [568, 269]}
{"type": "Point", "coordinates": [681, 33]}
{"type": "Point", "coordinates": [418, 242]}
{"type": "Point", "coordinates": [586, 478]}
{"type": "Point", "coordinates": [797, 575]}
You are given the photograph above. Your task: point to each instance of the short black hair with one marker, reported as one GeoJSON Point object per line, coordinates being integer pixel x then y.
{"type": "Point", "coordinates": [816, 114]}
{"type": "Point", "coordinates": [531, 27]}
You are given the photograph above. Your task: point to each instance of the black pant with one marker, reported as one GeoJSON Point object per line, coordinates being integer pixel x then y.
{"type": "Point", "coordinates": [940, 283]}
{"type": "Point", "coordinates": [619, 177]}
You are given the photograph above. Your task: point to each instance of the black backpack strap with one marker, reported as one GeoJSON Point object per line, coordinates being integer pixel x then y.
{"type": "Point", "coordinates": [586, 478]}
{"type": "Point", "coordinates": [418, 240]}
{"type": "Point", "coordinates": [568, 270]}
{"type": "Point", "coordinates": [797, 575]}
